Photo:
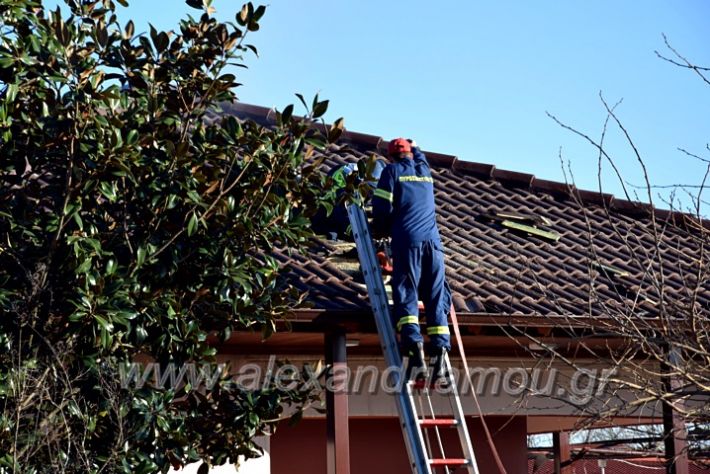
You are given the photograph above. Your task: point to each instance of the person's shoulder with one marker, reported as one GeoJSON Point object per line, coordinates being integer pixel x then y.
{"type": "Point", "coordinates": [389, 172]}
{"type": "Point", "coordinates": [402, 166]}
{"type": "Point", "coordinates": [394, 167]}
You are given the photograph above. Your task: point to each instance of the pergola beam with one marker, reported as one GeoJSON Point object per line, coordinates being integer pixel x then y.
{"type": "Point", "coordinates": [336, 399]}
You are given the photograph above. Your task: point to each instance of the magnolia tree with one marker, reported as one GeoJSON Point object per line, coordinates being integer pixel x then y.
{"type": "Point", "coordinates": [131, 226]}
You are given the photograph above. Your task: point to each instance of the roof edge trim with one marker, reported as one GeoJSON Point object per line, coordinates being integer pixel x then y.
{"type": "Point", "coordinates": [513, 178]}
{"type": "Point", "coordinates": [557, 189]}
{"type": "Point", "coordinates": [484, 170]}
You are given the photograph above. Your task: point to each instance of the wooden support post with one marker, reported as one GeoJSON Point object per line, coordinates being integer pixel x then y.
{"type": "Point", "coordinates": [562, 452]}
{"type": "Point", "coordinates": [336, 400]}
{"type": "Point", "coordinates": [675, 435]}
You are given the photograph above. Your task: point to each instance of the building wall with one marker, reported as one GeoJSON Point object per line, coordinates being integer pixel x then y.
{"type": "Point", "coordinates": [377, 447]}
{"type": "Point", "coordinates": [299, 449]}
{"type": "Point", "coordinates": [503, 386]}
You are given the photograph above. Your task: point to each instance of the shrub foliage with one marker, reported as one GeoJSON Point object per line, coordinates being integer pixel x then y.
{"type": "Point", "coordinates": [130, 225]}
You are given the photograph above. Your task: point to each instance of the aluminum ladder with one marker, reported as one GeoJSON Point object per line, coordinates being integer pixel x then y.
{"type": "Point", "coordinates": [416, 425]}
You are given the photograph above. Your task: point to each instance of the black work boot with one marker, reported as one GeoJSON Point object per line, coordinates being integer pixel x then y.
{"type": "Point", "coordinates": [416, 369]}
{"type": "Point", "coordinates": [439, 372]}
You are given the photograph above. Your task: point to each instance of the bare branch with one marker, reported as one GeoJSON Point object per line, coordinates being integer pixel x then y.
{"type": "Point", "coordinates": [685, 63]}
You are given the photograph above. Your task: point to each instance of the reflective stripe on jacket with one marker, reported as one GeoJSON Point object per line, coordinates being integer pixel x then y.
{"type": "Point", "coordinates": [403, 203]}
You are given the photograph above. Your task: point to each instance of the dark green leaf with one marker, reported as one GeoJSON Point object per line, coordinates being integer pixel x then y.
{"type": "Point", "coordinates": [103, 323]}
{"type": "Point", "coordinates": [132, 137]}
{"type": "Point", "coordinates": [320, 108]}
{"type": "Point", "coordinates": [128, 34]}
{"type": "Point", "coordinates": [259, 12]}
{"type": "Point", "coordinates": [303, 101]}
{"type": "Point", "coordinates": [287, 113]}
{"type": "Point", "coordinates": [336, 130]}
{"type": "Point", "coordinates": [192, 224]}
{"type": "Point", "coordinates": [140, 256]}
{"type": "Point", "coordinates": [141, 334]}
{"type": "Point", "coordinates": [11, 92]}
{"type": "Point", "coordinates": [252, 48]}
{"type": "Point", "coordinates": [161, 42]}
{"type": "Point", "coordinates": [108, 190]}
{"type": "Point", "coordinates": [243, 15]}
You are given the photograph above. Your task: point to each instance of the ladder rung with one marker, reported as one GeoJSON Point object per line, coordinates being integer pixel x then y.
{"type": "Point", "coordinates": [419, 384]}
{"type": "Point", "coordinates": [438, 422]}
{"type": "Point", "coordinates": [448, 462]}
{"type": "Point", "coordinates": [413, 427]}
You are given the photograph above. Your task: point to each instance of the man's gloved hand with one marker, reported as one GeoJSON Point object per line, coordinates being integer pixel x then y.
{"type": "Point", "coordinates": [412, 142]}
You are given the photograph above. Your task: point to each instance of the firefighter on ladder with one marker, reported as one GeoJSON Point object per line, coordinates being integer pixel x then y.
{"type": "Point", "coordinates": [403, 207]}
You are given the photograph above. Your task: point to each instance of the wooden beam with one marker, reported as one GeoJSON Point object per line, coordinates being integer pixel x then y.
{"type": "Point", "coordinates": [675, 441]}
{"type": "Point", "coordinates": [562, 452]}
{"type": "Point", "coordinates": [336, 400]}
{"type": "Point", "coordinates": [363, 319]}
{"type": "Point", "coordinates": [675, 435]}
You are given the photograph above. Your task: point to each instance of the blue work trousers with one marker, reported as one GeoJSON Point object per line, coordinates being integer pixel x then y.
{"type": "Point", "coordinates": [419, 274]}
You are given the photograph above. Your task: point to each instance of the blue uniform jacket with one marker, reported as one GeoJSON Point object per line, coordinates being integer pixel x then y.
{"type": "Point", "coordinates": [403, 203]}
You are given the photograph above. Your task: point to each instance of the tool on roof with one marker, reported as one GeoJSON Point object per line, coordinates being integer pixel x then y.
{"type": "Point", "coordinates": [528, 223]}
{"type": "Point", "coordinates": [416, 425]}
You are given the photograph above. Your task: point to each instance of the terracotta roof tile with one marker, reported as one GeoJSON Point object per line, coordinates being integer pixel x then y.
{"type": "Point", "coordinates": [474, 169]}
{"type": "Point", "coordinates": [513, 178]}
{"type": "Point", "coordinates": [613, 466]}
{"type": "Point", "coordinates": [497, 269]}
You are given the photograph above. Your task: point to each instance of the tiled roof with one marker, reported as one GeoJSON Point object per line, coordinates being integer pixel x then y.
{"type": "Point", "coordinates": [613, 466]}
{"type": "Point", "coordinates": [516, 244]}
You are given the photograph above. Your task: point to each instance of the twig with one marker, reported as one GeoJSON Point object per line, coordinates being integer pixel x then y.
{"type": "Point", "coordinates": [685, 64]}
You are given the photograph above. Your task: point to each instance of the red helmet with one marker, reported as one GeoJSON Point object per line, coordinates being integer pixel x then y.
{"type": "Point", "coordinates": [399, 145]}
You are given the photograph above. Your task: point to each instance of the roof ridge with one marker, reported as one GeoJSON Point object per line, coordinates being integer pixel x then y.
{"type": "Point", "coordinates": [509, 178]}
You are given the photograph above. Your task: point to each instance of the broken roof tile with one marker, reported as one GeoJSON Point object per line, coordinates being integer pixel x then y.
{"type": "Point", "coordinates": [504, 272]}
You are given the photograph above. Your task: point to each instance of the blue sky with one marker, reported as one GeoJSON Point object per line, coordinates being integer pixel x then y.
{"type": "Point", "coordinates": [475, 79]}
